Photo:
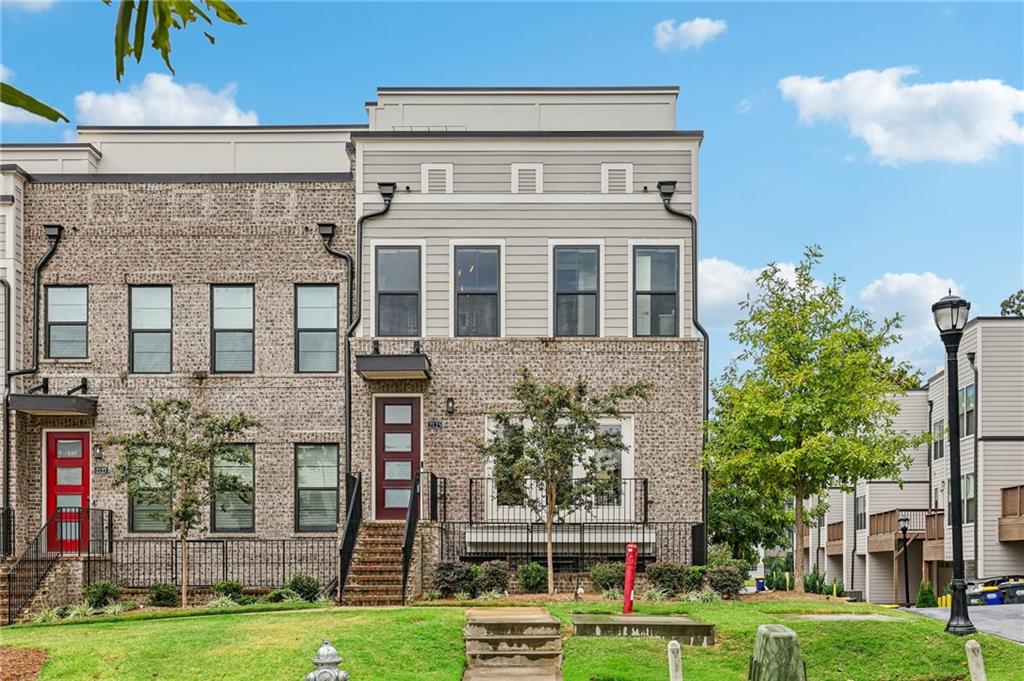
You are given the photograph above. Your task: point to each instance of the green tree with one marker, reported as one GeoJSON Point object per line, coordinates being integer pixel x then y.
{"type": "Point", "coordinates": [130, 40]}
{"type": "Point", "coordinates": [1013, 306]}
{"type": "Point", "coordinates": [743, 517]}
{"type": "Point", "coordinates": [170, 462]}
{"type": "Point", "coordinates": [543, 449]}
{"type": "Point", "coordinates": [809, 402]}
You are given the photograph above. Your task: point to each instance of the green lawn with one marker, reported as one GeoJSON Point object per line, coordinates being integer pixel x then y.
{"type": "Point", "coordinates": [426, 643]}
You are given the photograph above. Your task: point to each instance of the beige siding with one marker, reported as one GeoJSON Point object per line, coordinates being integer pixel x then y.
{"type": "Point", "coordinates": [1003, 467]}
{"type": "Point", "coordinates": [1002, 378]}
{"type": "Point", "coordinates": [913, 420]}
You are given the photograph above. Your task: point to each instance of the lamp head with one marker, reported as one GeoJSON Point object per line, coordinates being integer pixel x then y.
{"type": "Point", "coordinates": [904, 524]}
{"type": "Point", "coordinates": [53, 232]}
{"type": "Point", "coordinates": [387, 191]}
{"type": "Point", "coordinates": [950, 313]}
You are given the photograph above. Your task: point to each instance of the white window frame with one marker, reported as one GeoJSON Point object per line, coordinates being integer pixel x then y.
{"type": "Point", "coordinates": [449, 170]}
{"type": "Point", "coordinates": [631, 246]}
{"type": "Point", "coordinates": [538, 168]}
{"type": "Point", "coordinates": [605, 167]}
{"type": "Point", "coordinates": [371, 309]}
{"type": "Point", "coordinates": [552, 243]}
{"type": "Point", "coordinates": [452, 244]}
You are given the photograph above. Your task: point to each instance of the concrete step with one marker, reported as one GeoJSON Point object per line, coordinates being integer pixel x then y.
{"type": "Point", "coordinates": [513, 658]}
{"type": "Point", "coordinates": [549, 627]}
{"type": "Point", "coordinates": [521, 644]}
{"type": "Point", "coordinates": [512, 673]}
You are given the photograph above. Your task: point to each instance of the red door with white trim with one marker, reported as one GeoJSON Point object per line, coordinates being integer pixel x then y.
{"type": "Point", "coordinates": [397, 451]}
{"type": "Point", "coordinates": [67, 478]}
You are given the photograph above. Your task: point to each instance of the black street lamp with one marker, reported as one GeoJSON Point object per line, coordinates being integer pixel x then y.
{"type": "Point", "coordinates": [904, 523]}
{"type": "Point", "coordinates": [950, 315]}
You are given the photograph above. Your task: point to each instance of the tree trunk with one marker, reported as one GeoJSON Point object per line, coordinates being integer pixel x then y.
{"type": "Point", "coordinates": [798, 542]}
{"type": "Point", "coordinates": [549, 526]}
{"type": "Point", "coordinates": [184, 568]}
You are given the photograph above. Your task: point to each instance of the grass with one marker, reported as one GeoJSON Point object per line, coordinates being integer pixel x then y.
{"type": "Point", "coordinates": [426, 643]}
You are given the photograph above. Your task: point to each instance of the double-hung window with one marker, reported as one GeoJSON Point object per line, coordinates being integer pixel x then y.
{"type": "Point", "coordinates": [233, 322]}
{"type": "Point", "coordinates": [67, 321]}
{"type": "Point", "coordinates": [316, 328]}
{"type": "Point", "coordinates": [149, 339]}
{"type": "Point", "coordinates": [316, 488]}
{"type": "Point", "coordinates": [860, 514]}
{"type": "Point", "coordinates": [965, 401]}
{"type": "Point", "coordinates": [656, 291]}
{"type": "Point", "coordinates": [609, 473]}
{"type": "Point", "coordinates": [397, 273]}
{"type": "Point", "coordinates": [477, 280]}
{"type": "Point", "coordinates": [576, 290]}
{"type": "Point", "coordinates": [233, 511]}
{"type": "Point", "coordinates": [970, 498]}
{"type": "Point", "coordinates": [147, 507]}
{"type": "Point", "coordinates": [938, 439]}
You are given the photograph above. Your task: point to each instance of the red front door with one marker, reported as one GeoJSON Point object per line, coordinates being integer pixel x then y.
{"type": "Point", "coordinates": [397, 452]}
{"type": "Point", "coordinates": [67, 478]}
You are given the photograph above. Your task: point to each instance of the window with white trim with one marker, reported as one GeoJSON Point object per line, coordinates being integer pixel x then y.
{"type": "Point", "coordinates": [577, 291]}
{"type": "Point", "coordinates": [527, 178]}
{"type": "Point", "coordinates": [67, 321]}
{"type": "Point", "coordinates": [655, 291]}
{"type": "Point", "coordinates": [938, 439]}
{"type": "Point", "coordinates": [965, 403]}
{"type": "Point", "coordinates": [477, 283]}
{"type": "Point", "coordinates": [436, 178]}
{"type": "Point", "coordinates": [397, 273]}
{"type": "Point", "coordinates": [616, 178]}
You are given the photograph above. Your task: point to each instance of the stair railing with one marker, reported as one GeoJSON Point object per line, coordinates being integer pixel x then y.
{"type": "Point", "coordinates": [6, 532]}
{"type": "Point", "coordinates": [412, 518]}
{"type": "Point", "coordinates": [353, 520]}
{"type": "Point", "coordinates": [32, 566]}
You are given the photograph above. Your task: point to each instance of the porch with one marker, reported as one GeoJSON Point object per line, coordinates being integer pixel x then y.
{"type": "Point", "coordinates": [935, 535]}
{"type": "Point", "coordinates": [884, 535]}
{"type": "Point", "coordinates": [834, 539]}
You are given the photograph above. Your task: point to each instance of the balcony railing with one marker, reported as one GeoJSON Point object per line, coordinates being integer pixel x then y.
{"type": "Point", "coordinates": [1013, 502]}
{"type": "Point", "coordinates": [888, 521]}
{"type": "Point", "coordinates": [835, 531]}
{"type": "Point", "coordinates": [935, 526]}
{"type": "Point", "coordinates": [626, 501]}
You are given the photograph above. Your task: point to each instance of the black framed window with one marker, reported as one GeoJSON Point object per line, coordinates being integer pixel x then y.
{"type": "Point", "coordinates": [150, 328]}
{"type": "Point", "coordinates": [67, 321]}
{"type": "Point", "coordinates": [316, 328]}
{"type": "Point", "coordinates": [233, 512]}
{"type": "Point", "coordinates": [146, 508]}
{"type": "Point", "coordinates": [576, 290]}
{"type": "Point", "coordinates": [938, 439]}
{"type": "Point", "coordinates": [233, 319]}
{"type": "Point", "coordinates": [656, 291]}
{"type": "Point", "coordinates": [316, 487]}
{"type": "Point", "coordinates": [860, 514]}
{"type": "Point", "coordinates": [397, 272]}
{"type": "Point", "coordinates": [970, 501]}
{"type": "Point", "coordinates": [477, 282]}
{"type": "Point", "coordinates": [965, 402]}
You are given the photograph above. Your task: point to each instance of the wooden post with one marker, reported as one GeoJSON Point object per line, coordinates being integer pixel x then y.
{"type": "Point", "coordinates": [975, 663]}
{"type": "Point", "coordinates": [675, 662]}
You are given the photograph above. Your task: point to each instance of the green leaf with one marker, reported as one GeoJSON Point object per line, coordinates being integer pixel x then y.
{"type": "Point", "coordinates": [213, 41]}
{"type": "Point", "coordinates": [225, 12]}
{"type": "Point", "coordinates": [162, 22]}
{"type": "Point", "coordinates": [125, 9]}
{"type": "Point", "coordinates": [14, 97]}
{"type": "Point", "coordinates": [140, 29]}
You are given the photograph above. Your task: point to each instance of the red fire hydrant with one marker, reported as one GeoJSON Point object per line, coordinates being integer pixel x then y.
{"type": "Point", "coordinates": [627, 592]}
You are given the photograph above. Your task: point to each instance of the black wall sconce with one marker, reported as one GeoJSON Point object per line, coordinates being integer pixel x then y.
{"type": "Point", "coordinates": [449, 405]}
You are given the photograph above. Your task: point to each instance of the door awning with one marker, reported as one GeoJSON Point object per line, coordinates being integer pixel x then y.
{"type": "Point", "coordinates": [392, 367]}
{"type": "Point", "coordinates": [53, 405]}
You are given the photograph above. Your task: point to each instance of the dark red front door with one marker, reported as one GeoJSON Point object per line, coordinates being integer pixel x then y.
{"type": "Point", "coordinates": [397, 452]}
{"type": "Point", "coordinates": [67, 480]}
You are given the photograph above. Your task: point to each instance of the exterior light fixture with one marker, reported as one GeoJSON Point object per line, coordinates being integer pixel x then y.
{"type": "Point", "coordinates": [950, 315]}
{"type": "Point", "coordinates": [904, 524]}
{"type": "Point", "coordinates": [53, 232]}
{"type": "Point", "coordinates": [449, 405]}
{"type": "Point", "coordinates": [326, 230]}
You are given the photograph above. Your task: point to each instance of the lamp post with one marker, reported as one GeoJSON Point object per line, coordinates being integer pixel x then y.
{"type": "Point", "coordinates": [904, 523]}
{"type": "Point", "coordinates": [950, 315]}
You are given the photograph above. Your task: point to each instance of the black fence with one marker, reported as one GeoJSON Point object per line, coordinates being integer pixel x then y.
{"type": "Point", "coordinates": [6, 531]}
{"type": "Point", "coordinates": [575, 546]}
{"type": "Point", "coordinates": [256, 563]}
{"type": "Point", "coordinates": [625, 500]}
{"type": "Point", "coordinates": [353, 521]}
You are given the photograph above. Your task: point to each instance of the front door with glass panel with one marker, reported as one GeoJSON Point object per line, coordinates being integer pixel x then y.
{"type": "Point", "coordinates": [397, 453]}
{"type": "Point", "coordinates": [67, 477]}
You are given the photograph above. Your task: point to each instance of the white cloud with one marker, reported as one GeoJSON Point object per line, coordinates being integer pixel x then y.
{"type": "Point", "coordinates": [724, 285]}
{"type": "Point", "coordinates": [744, 106]}
{"type": "Point", "coordinates": [6, 73]}
{"type": "Point", "coordinates": [158, 100]}
{"type": "Point", "coordinates": [28, 5]}
{"type": "Point", "coordinates": [688, 34]}
{"type": "Point", "coordinates": [911, 295]}
{"type": "Point", "coordinates": [960, 121]}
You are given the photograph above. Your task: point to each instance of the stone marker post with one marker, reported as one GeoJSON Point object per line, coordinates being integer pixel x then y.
{"type": "Point", "coordinates": [975, 663]}
{"type": "Point", "coordinates": [675, 661]}
{"type": "Point", "coordinates": [776, 655]}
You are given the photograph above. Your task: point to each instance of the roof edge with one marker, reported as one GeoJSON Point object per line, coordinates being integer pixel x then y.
{"type": "Point", "coordinates": [400, 134]}
{"type": "Point", "coordinates": [535, 88]}
{"type": "Point", "coordinates": [223, 128]}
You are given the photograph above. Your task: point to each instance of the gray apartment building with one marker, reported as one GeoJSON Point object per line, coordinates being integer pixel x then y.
{"type": "Point", "coordinates": [477, 231]}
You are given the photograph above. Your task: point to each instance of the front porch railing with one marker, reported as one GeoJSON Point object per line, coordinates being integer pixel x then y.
{"type": "Point", "coordinates": [627, 501]}
{"type": "Point", "coordinates": [935, 526]}
{"type": "Point", "coordinates": [6, 532]}
{"type": "Point", "coordinates": [888, 521]}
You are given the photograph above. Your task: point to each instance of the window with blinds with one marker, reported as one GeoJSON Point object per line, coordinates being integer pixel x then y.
{"type": "Point", "coordinates": [149, 339]}
{"type": "Point", "coordinates": [527, 178]}
{"type": "Point", "coordinates": [436, 178]}
{"type": "Point", "coordinates": [233, 321]}
{"type": "Point", "coordinates": [616, 178]}
{"type": "Point", "coordinates": [316, 328]}
{"type": "Point", "coordinates": [233, 511]}
{"type": "Point", "coordinates": [67, 321]}
{"type": "Point", "coordinates": [316, 487]}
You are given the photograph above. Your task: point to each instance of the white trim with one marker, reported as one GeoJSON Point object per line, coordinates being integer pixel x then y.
{"type": "Point", "coordinates": [627, 167]}
{"type": "Point", "coordinates": [368, 314]}
{"type": "Point", "coordinates": [520, 144]}
{"type": "Point", "coordinates": [681, 200]}
{"type": "Point", "coordinates": [538, 168]}
{"type": "Point", "coordinates": [45, 483]}
{"type": "Point", "coordinates": [449, 172]}
{"type": "Point", "coordinates": [500, 243]}
{"type": "Point", "coordinates": [631, 245]}
{"type": "Point", "coordinates": [373, 443]}
{"type": "Point", "coordinates": [600, 282]}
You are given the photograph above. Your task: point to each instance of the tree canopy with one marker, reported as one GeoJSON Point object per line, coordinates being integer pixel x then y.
{"type": "Point", "coordinates": [1013, 306]}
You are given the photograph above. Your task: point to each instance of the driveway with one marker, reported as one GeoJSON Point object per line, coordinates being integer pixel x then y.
{"type": "Point", "coordinates": [1002, 620]}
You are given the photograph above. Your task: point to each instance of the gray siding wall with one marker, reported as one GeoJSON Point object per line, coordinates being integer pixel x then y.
{"type": "Point", "coordinates": [1003, 467]}
{"type": "Point", "coordinates": [1002, 378]}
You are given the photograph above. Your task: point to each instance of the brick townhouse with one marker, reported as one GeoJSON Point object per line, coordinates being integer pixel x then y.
{"type": "Point", "coordinates": [488, 229]}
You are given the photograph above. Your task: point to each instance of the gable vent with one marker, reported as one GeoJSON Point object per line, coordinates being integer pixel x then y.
{"type": "Point", "coordinates": [616, 178]}
{"type": "Point", "coordinates": [527, 178]}
{"type": "Point", "coordinates": [436, 178]}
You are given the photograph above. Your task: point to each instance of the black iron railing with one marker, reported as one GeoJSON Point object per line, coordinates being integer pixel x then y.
{"type": "Point", "coordinates": [6, 532]}
{"type": "Point", "coordinates": [412, 519]}
{"type": "Point", "coordinates": [353, 520]}
{"type": "Point", "coordinates": [436, 497]}
{"type": "Point", "coordinates": [626, 501]}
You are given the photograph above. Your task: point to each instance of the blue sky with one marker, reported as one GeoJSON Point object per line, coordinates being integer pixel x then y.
{"type": "Point", "coordinates": [911, 181]}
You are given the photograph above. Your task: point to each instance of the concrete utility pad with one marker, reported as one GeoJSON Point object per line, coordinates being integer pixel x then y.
{"type": "Point", "coordinates": [683, 629]}
{"type": "Point", "coordinates": [851, 617]}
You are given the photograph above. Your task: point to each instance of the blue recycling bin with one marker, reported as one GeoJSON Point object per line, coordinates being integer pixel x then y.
{"type": "Point", "coordinates": [994, 597]}
{"type": "Point", "coordinates": [759, 583]}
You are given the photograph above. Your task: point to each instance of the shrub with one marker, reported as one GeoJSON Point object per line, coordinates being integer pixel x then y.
{"type": "Point", "coordinates": [926, 596]}
{"type": "Point", "coordinates": [655, 594]}
{"type": "Point", "coordinates": [306, 586]}
{"type": "Point", "coordinates": [814, 582]}
{"type": "Point", "coordinates": [778, 563]}
{"type": "Point", "coordinates": [694, 578]}
{"type": "Point", "coordinates": [230, 588]}
{"type": "Point", "coordinates": [669, 577]}
{"type": "Point", "coordinates": [533, 577]}
{"type": "Point", "coordinates": [100, 594]}
{"type": "Point", "coordinates": [702, 596]}
{"type": "Point", "coordinates": [612, 594]}
{"type": "Point", "coordinates": [452, 577]}
{"type": "Point", "coordinates": [491, 595]}
{"type": "Point", "coordinates": [163, 595]}
{"type": "Point", "coordinates": [246, 599]}
{"type": "Point", "coordinates": [47, 616]}
{"type": "Point", "coordinates": [129, 605]}
{"type": "Point", "coordinates": [836, 586]}
{"type": "Point", "coordinates": [80, 610]}
{"type": "Point", "coordinates": [222, 602]}
{"type": "Point", "coordinates": [726, 580]}
{"type": "Point", "coordinates": [492, 576]}
{"type": "Point", "coordinates": [430, 595]}
{"type": "Point", "coordinates": [62, 611]}
{"type": "Point", "coordinates": [115, 608]}
{"type": "Point", "coordinates": [604, 576]}
{"type": "Point", "coordinates": [282, 596]}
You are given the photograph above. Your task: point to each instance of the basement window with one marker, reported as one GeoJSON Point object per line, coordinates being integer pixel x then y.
{"type": "Point", "coordinates": [527, 178]}
{"type": "Point", "coordinates": [436, 178]}
{"type": "Point", "coordinates": [616, 178]}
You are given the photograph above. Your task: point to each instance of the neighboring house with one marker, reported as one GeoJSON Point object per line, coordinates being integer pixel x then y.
{"type": "Point", "coordinates": [493, 229]}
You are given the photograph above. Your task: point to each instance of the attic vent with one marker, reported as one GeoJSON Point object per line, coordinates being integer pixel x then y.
{"type": "Point", "coordinates": [436, 178]}
{"type": "Point", "coordinates": [527, 178]}
{"type": "Point", "coordinates": [616, 178]}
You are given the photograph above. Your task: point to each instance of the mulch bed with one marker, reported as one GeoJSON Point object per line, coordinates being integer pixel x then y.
{"type": "Point", "coordinates": [21, 664]}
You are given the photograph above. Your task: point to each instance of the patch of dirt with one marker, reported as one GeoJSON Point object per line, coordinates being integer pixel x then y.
{"type": "Point", "coordinates": [787, 596]}
{"type": "Point", "coordinates": [21, 664]}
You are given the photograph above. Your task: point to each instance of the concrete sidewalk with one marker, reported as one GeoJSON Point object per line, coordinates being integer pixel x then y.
{"type": "Point", "coordinates": [1002, 620]}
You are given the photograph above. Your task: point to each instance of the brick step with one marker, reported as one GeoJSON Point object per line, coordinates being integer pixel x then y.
{"type": "Point", "coordinates": [371, 580]}
{"type": "Point", "coordinates": [374, 566]}
{"type": "Point", "coordinates": [359, 602]}
{"type": "Point", "coordinates": [523, 644]}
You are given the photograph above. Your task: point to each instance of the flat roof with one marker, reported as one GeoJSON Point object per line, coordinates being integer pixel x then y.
{"type": "Point", "coordinates": [385, 134]}
{"type": "Point", "coordinates": [535, 88]}
{"type": "Point", "coordinates": [225, 128]}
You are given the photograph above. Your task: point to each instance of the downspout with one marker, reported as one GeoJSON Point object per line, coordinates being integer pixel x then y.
{"type": "Point", "coordinates": [974, 437]}
{"type": "Point", "coordinates": [53, 233]}
{"type": "Point", "coordinates": [667, 189]}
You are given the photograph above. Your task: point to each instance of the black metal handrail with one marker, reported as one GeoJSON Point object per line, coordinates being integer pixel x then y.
{"type": "Point", "coordinates": [6, 532]}
{"type": "Point", "coordinates": [412, 518]}
{"type": "Point", "coordinates": [627, 501]}
{"type": "Point", "coordinates": [353, 520]}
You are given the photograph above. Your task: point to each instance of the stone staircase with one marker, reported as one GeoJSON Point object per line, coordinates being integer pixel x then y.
{"type": "Point", "coordinates": [512, 643]}
{"type": "Point", "coordinates": [375, 577]}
